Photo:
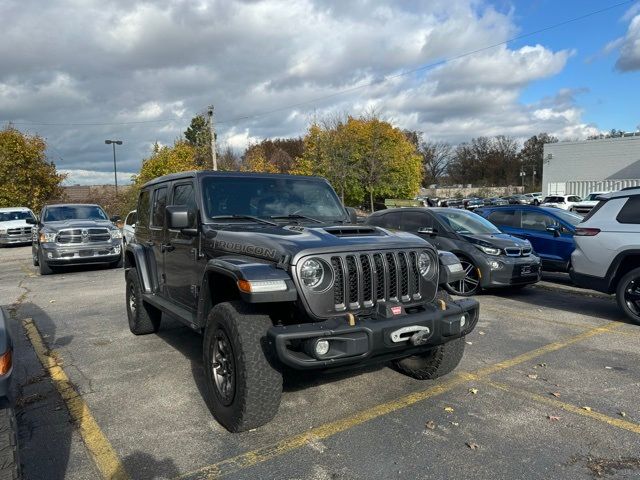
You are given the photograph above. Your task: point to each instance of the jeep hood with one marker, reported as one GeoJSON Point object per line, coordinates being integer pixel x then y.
{"type": "Point", "coordinates": [293, 241]}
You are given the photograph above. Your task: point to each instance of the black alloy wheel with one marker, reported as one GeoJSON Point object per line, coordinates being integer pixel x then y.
{"type": "Point", "coordinates": [223, 368]}
{"type": "Point", "coordinates": [628, 295]}
{"type": "Point", "coordinates": [470, 284]}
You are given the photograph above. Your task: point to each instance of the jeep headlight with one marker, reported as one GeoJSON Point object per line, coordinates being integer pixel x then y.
{"type": "Point", "coordinates": [316, 275]}
{"type": "Point", "coordinates": [116, 234]}
{"type": "Point", "coordinates": [425, 264]}
{"type": "Point", "coordinates": [47, 237]}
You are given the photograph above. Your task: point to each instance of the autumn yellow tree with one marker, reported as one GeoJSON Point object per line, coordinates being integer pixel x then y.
{"type": "Point", "coordinates": [27, 178]}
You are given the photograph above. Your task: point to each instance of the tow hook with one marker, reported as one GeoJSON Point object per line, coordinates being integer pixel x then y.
{"type": "Point", "coordinates": [416, 334]}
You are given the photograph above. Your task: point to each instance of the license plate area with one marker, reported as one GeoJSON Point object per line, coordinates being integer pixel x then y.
{"type": "Point", "coordinates": [85, 253]}
{"type": "Point", "coordinates": [526, 270]}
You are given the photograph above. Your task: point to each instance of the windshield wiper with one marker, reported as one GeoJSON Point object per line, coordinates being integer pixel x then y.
{"type": "Point", "coordinates": [295, 216]}
{"type": "Point", "coordinates": [244, 217]}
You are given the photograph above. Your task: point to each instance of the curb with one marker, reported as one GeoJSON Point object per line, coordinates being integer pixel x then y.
{"type": "Point", "coordinates": [554, 287]}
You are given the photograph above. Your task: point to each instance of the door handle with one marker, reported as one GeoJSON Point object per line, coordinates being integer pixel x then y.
{"type": "Point", "coordinates": [167, 247]}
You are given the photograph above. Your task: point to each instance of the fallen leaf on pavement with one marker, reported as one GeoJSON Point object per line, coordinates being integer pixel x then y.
{"type": "Point", "coordinates": [469, 343]}
{"type": "Point", "coordinates": [622, 414]}
{"type": "Point", "coordinates": [555, 394]}
{"type": "Point", "coordinates": [431, 425]}
{"type": "Point", "coordinates": [481, 333]}
{"type": "Point", "coordinates": [455, 424]}
{"type": "Point", "coordinates": [52, 301]}
{"type": "Point", "coordinates": [472, 445]}
{"type": "Point", "coordinates": [532, 375]}
{"type": "Point", "coordinates": [543, 365]}
{"type": "Point", "coordinates": [553, 418]}
{"type": "Point", "coordinates": [588, 409]}
{"type": "Point", "coordinates": [448, 409]}
{"type": "Point", "coordinates": [473, 391]}
{"type": "Point", "coordinates": [609, 368]}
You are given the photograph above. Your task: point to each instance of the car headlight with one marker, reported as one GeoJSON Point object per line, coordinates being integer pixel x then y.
{"type": "Point", "coordinates": [48, 237]}
{"type": "Point", "coordinates": [116, 234]}
{"type": "Point", "coordinates": [489, 250]}
{"type": "Point", "coordinates": [425, 264]}
{"type": "Point", "coordinates": [311, 273]}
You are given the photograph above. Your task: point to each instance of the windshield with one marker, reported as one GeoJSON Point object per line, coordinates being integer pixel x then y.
{"type": "Point", "coordinates": [271, 197]}
{"type": "Point", "coordinates": [17, 215]}
{"type": "Point", "coordinates": [593, 197]}
{"type": "Point", "coordinates": [553, 200]}
{"type": "Point", "coordinates": [571, 218]}
{"type": "Point", "coordinates": [74, 212]}
{"type": "Point", "coordinates": [467, 223]}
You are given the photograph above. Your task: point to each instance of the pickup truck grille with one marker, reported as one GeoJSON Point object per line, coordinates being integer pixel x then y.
{"type": "Point", "coordinates": [83, 235]}
{"type": "Point", "coordinates": [19, 231]}
{"type": "Point", "coordinates": [362, 280]}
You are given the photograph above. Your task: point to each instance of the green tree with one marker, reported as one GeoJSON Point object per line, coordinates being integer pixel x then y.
{"type": "Point", "coordinates": [531, 156]}
{"type": "Point", "coordinates": [198, 136]}
{"type": "Point", "coordinates": [27, 178]}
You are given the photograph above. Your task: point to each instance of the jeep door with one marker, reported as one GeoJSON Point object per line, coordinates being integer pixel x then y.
{"type": "Point", "coordinates": [155, 236]}
{"type": "Point", "coordinates": [181, 269]}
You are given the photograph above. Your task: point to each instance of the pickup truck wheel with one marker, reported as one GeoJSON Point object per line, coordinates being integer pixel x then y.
{"type": "Point", "coordinates": [244, 385]}
{"type": "Point", "coordinates": [45, 269]}
{"type": "Point", "coordinates": [9, 459]}
{"type": "Point", "coordinates": [437, 361]}
{"type": "Point", "coordinates": [143, 318]}
{"type": "Point", "coordinates": [628, 295]}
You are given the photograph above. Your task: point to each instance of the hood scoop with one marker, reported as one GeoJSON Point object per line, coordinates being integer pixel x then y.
{"type": "Point", "coordinates": [354, 231]}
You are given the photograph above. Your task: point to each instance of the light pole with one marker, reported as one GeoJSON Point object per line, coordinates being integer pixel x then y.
{"type": "Point", "coordinates": [115, 169]}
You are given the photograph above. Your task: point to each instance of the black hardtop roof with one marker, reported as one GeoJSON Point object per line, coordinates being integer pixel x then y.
{"type": "Point", "coordinates": [212, 173]}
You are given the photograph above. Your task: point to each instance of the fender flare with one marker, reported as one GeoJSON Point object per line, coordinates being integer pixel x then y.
{"type": "Point", "coordinates": [142, 266]}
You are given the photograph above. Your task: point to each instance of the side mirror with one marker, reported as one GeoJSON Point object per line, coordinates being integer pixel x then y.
{"type": "Point", "coordinates": [31, 221]}
{"type": "Point", "coordinates": [555, 229]}
{"type": "Point", "coordinates": [115, 218]}
{"type": "Point", "coordinates": [427, 231]}
{"type": "Point", "coordinates": [353, 216]}
{"type": "Point", "coordinates": [181, 218]}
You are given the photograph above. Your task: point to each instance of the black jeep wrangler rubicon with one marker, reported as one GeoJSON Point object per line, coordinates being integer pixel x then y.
{"type": "Point", "coordinates": [270, 270]}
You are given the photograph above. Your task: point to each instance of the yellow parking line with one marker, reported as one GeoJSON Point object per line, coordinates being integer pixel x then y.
{"type": "Point", "coordinates": [615, 422]}
{"type": "Point", "coordinates": [262, 454]}
{"type": "Point", "coordinates": [99, 447]}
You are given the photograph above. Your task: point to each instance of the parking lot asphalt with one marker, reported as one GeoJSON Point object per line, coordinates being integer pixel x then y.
{"type": "Point", "coordinates": [548, 388]}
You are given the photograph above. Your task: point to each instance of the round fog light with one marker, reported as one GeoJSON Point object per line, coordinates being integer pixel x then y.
{"type": "Point", "coordinates": [494, 265]}
{"type": "Point", "coordinates": [463, 321]}
{"type": "Point", "coordinates": [322, 347]}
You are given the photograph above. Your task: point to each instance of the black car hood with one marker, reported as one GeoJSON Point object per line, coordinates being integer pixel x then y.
{"type": "Point", "coordinates": [499, 240]}
{"type": "Point", "coordinates": [277, 242]}
{"type": "Point", "coordinates": [65, 224]}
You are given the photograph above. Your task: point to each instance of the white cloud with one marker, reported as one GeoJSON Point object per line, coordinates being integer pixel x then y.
{"type": "Point", "coordinates": [91, 177]}
{"type": "Point", "coordinates": [128, 61]}
{"type": "Point", "coordinates": [629, 59]}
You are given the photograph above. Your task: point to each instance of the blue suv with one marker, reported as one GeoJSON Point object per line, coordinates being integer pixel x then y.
{"type": "Point", "coordinates": [550, 231]}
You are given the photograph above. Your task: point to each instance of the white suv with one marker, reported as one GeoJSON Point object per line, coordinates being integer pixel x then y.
{"type": "Point", "coordinates": [565, 202]}
{"type": "Point", "coordinates": [607, 253]}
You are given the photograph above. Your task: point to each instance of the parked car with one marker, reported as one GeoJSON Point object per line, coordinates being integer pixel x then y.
{"type": "Point", "coordinates": [455, 203]}
{"type": "Point", "coordinates": [129, 227]}
{"type": "Point", "coordinates": [564, 202]}
{"type": "Point", "coordinates": [490, 258]}
{"type": "Point", "coordinates": [550, 231]}
{"type": "Point", "coordinates": [473, 203]}
{"type": "Point", "coordinates": [534, 198]}
{"type": "Point", "coordinates": [587, 203]}
{"type": "Point", "coordinates": [14, 228]}
{"type": "Point", "coordinates": [72, 234]}
{"type": "Point", "coordinates": [607, 254]}
{"type": "Point", "coordinates": [269, 270]}
{"type": "Point", "coordinates": [495, 201]}
{"type": "Point", "coordinates": [10, 465]}
{"type": "Point", "coordinates": [517, 200]}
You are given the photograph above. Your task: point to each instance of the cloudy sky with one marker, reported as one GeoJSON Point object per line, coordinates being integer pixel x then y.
{"type": "Point", "coordinates": [80, 71]}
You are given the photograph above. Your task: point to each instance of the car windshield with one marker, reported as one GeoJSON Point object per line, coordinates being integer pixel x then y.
{"type": "Point", "coordinates": [16, 215]}
{"type": "Point", "coordinates": [467, 222]}
{"type": "Point", "coordinates": [553, 200]}
{"type": "Point", "coordinates": [571, 218]}
{"type": "Point", "coordinates": [287, 198]}
{"type": "Point", "coordinates": [74, 212]}
{"type": "Point", "coordinates": [592, 197]}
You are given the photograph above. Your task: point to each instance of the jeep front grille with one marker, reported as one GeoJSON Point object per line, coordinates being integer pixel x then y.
{"type": "Point", "coordinates": [360, 281]}
{"type": "Point", "coordinates": [83, 235]}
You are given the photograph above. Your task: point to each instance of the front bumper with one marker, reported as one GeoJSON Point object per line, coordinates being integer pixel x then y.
{"type": "Point", "coordinates": [374, 339]}
{"type": "Point", "coordinates": [6, 239]}
{"type": "Point", "coordinates": [103, 252]}
{"type": "Point", "coordinates": [511, 271]}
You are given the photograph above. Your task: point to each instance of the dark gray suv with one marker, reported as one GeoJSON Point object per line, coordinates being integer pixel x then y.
{"type": "Point", "coordinates": [72, 234]}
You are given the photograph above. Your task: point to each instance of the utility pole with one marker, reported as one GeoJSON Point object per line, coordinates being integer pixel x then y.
{"type": "Point", "coordinates": [212, 133]}
{"type": "Point", "coordinates": [115, 169]}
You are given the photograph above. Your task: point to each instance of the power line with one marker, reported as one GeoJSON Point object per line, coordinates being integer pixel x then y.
{"type": "Point", "coordinates": [360, 86]}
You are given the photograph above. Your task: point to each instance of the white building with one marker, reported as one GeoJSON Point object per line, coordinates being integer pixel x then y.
{"type": "Point", "coordinates": [577, 168]}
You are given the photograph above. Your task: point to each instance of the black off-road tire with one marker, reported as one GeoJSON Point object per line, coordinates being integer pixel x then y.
{"type": "Point", "coordinates": [631, 280]}
{"type": "Point", "coordinates": [256, 371]}
{"type": "Point", "coordinates": [143, 318]}
{"type": "Point", "coordinates": [437, 361]}
{"type": "Point", "coordinates": [9, 460]}
{"type": "Point", "coordinates": [45, 269]}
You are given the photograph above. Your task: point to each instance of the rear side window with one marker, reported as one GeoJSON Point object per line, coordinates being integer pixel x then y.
{"type": "Point", "coordinates": [143, 209]}
{"type": "Point", "coordinates": [414, 221]}
{"type": "Point", "coordinates": [159, 205]}
{"type": "Point", "coordinates": [630, 212]}
{"type": "Point", "coordinates": [389, 220]}
{"type": "Point", "coordinates": [505, 218]}
{"type": "Point", "coordinates": [131, 219]}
